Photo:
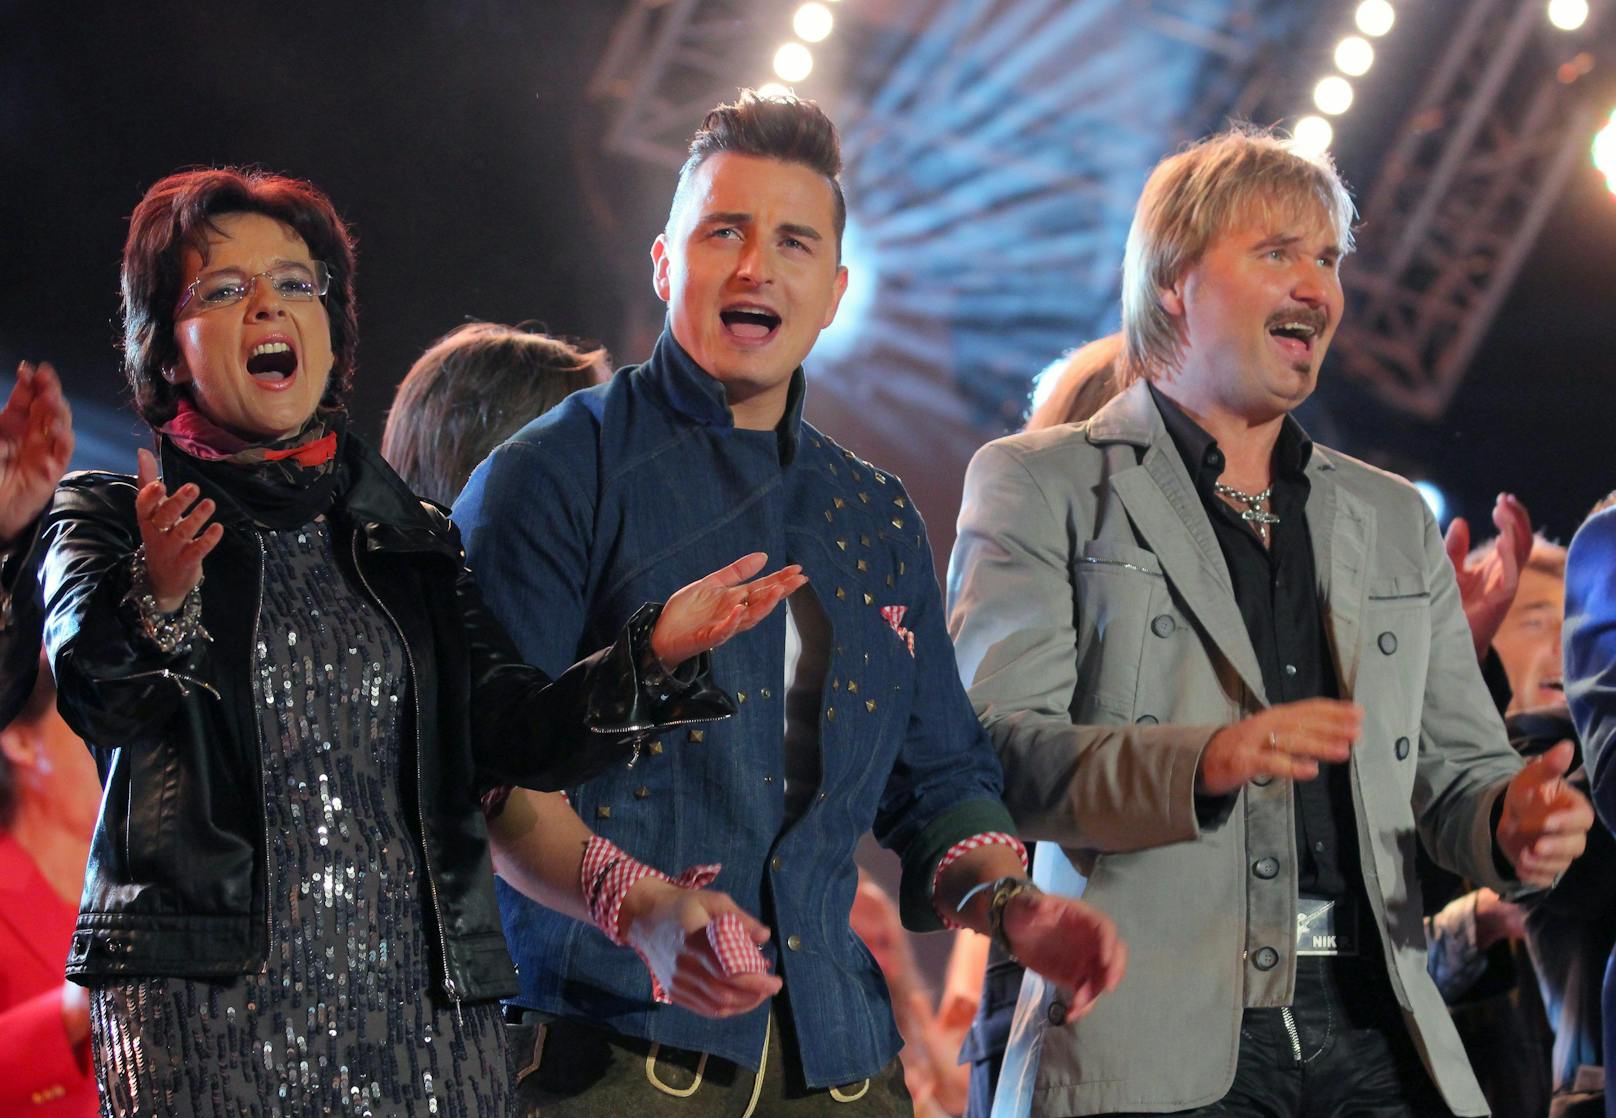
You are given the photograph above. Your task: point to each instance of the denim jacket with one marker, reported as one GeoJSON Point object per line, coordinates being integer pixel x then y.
{"type": "Point", "coordinates": [623, 494]}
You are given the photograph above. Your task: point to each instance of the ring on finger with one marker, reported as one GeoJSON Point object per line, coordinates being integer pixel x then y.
{"type": "Point", "coordinates": [1273, 740]}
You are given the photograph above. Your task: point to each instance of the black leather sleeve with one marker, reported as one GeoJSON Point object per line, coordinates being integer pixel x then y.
{"type": "Point", "coordinates": [21, 618]}
{"type": "Point", "coordinates": [550, 734]}
{"type": "Point", "coordinates": [113, 685]}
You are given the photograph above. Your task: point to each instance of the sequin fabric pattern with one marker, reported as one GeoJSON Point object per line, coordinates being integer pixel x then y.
{"type": "Point", "coordinates": [345, 1018]}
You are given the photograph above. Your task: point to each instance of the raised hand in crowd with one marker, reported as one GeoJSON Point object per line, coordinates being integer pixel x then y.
{"type": "Point", "coordinates": [711, 610]}
{"type": "Point", "coordinates": [1289, 741]}
{"type": "Point", "coordinates": [36, 442]}
{"type": "Point", "coordinates": [1487, 584]}
{"type": "Point", "coordinates": [1545, 822]}
{"type": "Point", "coordinates": [175, 531]}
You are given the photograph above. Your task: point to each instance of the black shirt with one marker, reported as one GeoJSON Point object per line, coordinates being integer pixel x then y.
{"type": "Point", "coordinates": [1276, 589]}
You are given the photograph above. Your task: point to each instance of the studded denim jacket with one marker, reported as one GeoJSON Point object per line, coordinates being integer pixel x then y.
{"type": "Point", "coordinates": [620, 496]}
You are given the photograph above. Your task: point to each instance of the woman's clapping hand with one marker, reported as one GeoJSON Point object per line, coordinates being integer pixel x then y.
{"type": "Point", "coordinates": [711, 610]}
{"type": "Point", "coordinates": [176, 533]}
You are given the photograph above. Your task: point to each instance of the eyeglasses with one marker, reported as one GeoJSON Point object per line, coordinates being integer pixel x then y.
{"type": "Point", "coordinates": [296, 283]}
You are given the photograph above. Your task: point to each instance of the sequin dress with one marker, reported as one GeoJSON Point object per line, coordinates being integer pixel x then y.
{"type": "Point", "coordinates": [345, 1018]}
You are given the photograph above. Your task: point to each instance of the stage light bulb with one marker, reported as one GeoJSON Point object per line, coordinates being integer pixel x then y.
{"type": "Point", "coordinates": [1604, 152]}
{"type": "Point", "coordinates": [773, 89]}
{"type": "Point", "coordinates": [1313, 135]}
{"type": "Point", "coordinates": [1333, 95]}
{"type": "Point", "coordinates": [1375, 17]}
{"type": "Point", "coordinates": [1354, 56]}
{"type": "Point", "coordinates": [1435, 499]}
{"type": "Point", "coordinates": [812, 23]}
{"type": "Point", "coordinates": [1568, 15]}
{"type": "Point", "coordinates": [793, 62]}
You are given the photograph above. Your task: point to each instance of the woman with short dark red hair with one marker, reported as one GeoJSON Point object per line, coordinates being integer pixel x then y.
{"type": "Point", "coordinates": [289, 906]}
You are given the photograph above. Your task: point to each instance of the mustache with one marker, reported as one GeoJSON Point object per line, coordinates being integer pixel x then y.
{"type": "Point", "coordinates": [1315, 317]}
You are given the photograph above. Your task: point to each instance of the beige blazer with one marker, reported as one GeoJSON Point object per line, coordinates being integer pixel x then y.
{"type": "Point", "coordinates": [1097, 630]}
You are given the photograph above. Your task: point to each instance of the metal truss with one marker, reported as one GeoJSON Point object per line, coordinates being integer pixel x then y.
{"type": "Point", "coordinates": [1480, 162]}
{"type": "Point", "coordinates": [666, 64]}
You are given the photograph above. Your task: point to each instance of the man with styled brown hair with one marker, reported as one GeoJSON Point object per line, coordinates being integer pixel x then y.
{"type": "Point", "coordinates": [1232, 686]}
{"type": "Point", "coordinates": [850, 709]}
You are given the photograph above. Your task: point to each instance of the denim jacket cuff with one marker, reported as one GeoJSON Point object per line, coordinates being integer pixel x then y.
{"type": "Point", "coordinates": [923, 852]}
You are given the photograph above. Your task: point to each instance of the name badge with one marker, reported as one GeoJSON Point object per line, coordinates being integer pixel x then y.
{"type": "Point", "coordinates": [1326, 926]}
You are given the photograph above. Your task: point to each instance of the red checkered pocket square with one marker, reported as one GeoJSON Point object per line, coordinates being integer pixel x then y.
{"type": "Point", "coordinates": [894, 616]}
{"type": "Point", "coordinates": [736, 952]}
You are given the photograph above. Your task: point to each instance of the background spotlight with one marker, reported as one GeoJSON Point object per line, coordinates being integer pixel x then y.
{"type": "Point", "coordinates": [1435, 499]}
{"type": "Point", "coordinates": [812, 22]}
{"type": "Point", "coordinates": [1568, 15]}
{"type": "Point", "coordinates": [1333, 95]}
{"type": "Point", "coordinates": [793, 62]}
{"type": "Point", "coordinates": [1313, 135]}
{"type": "Point", "coordinates": [1354, 56]}
{"type": "Point", "coordinates": [1604, 152]}
{"type": "Point", "coordinates": [1375, 17]}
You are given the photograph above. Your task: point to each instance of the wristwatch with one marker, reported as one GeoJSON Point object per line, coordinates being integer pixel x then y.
{"type": "Point", "coordinates": [1003, 890]}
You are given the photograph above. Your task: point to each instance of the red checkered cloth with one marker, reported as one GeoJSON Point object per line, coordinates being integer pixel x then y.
{"type": "Point", "coordinates": [608, 874]}
{"type": "Point", "coordinates": [964, 847]}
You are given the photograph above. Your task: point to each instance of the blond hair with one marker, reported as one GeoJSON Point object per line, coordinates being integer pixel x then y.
{"type": "Point", "coordinates": [1084, 382]}
{"type": "Point", "coordinates": [1192, 197]}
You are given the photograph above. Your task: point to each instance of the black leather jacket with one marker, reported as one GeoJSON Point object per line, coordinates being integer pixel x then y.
{"type": "Point", "coordinates": [176, 876]}
{"type": "Point", "coordinates": [19, 624]}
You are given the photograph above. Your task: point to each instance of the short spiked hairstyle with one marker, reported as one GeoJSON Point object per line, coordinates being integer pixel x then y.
{"type": "Point", "coordinates": [781, 127]}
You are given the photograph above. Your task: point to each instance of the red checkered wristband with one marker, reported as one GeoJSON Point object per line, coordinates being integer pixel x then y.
{"type": "Point", "coordinates": [964, 847]}
{"type": "Point", "coordinates": [608, 874]}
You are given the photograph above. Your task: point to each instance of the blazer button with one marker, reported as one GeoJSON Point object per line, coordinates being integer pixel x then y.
{"type": "Point", "coordinates": [1265, 958]}
{"type": "Point", "coordinates": [775, 863]}
{"type": "Point", "coordinates": [1056, 1013]}
{"type": "Point", "coordinates": [1266, 868]}
{"type": "Point", "coordinates": [1387, 643]}
{"type": "Point", "coordinates": [1163, 625]}
{"type": "Point", "coordinates": [1402, 749]}
{"type": "Point", "coordinates": [794, 941]}
{"type": "Point", "coordinates": [1146, 720]}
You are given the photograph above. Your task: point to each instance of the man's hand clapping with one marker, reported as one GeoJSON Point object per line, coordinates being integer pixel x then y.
{"type": "Point", "coordinates": [1288, 741]}
{"type": "Point", "coordinates": [1545, 822]}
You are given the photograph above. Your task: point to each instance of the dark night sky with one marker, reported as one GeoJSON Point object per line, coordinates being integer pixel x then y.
{"type": "Point", "coordinates": [458, 140]}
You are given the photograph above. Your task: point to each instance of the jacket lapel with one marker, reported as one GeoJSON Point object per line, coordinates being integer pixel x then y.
{"type": "Point", "coordinates": [1162, 504]}
{"type": "Point", "coordinates": [1343, 530]}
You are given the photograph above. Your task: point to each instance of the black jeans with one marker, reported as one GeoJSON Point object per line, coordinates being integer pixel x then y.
{"type": "Point", "coordinates": [1340, 1050]}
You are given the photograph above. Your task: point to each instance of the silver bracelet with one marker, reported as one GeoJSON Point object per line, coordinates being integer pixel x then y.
{"type": "Point", "coordinates": [168, 632]}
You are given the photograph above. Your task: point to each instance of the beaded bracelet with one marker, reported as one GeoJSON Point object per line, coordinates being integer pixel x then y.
{"type": "Point", "coordinates": [168, 632]}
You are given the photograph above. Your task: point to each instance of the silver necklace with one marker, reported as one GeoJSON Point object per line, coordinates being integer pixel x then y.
{"type": "Point", "coordinates": [1254, 513]}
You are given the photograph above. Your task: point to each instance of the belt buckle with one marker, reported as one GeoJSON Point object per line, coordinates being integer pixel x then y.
{"type": "Point", "coordinates": [1326, 926]}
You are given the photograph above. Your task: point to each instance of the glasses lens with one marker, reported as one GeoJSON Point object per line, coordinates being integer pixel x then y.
{"type": "Point", "coordinates": [296, 281]}
{"type": "Point", "coordinates": [220, 289]}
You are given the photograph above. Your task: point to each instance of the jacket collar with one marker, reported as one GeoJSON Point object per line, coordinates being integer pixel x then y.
{"type": "Point", "coordinates": [695, 395]}
{"type": "Point", "coordinates": [1160, 498]}
{"type": "Point", "coordinates": [1133, 416]}
{"type": "Point", "coordinates": [382, 507]}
